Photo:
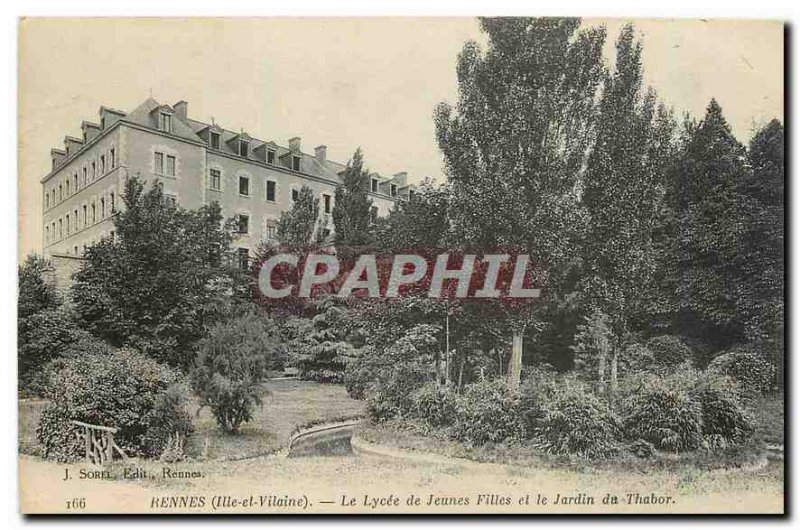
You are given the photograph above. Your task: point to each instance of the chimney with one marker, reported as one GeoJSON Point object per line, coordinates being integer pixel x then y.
{"type": "Point", "coordinates": [321, 153]}
{"type": "Point", "coordinates": [294, 143]}
{"type": "Point", "coordinates": [181, 110]}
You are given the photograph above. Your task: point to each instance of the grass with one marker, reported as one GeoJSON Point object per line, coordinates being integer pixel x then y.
{"type": "Point", "coordinates": [767, 411]}
{"type": "Point", "coordinates": [288, 405]}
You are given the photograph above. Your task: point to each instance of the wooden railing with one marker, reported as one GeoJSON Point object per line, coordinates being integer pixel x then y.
{"type": "Point", "coordinates": [99, 442]}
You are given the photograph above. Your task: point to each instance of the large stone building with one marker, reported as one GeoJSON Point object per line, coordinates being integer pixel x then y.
{"type": "Point", "coordinates": [253, 180]}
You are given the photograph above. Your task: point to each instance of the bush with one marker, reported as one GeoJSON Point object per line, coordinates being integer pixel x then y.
{"type": "Point", "coordinates": [170, 425]}
{"type": "Point", "coordinates": [357, 377]}
{"type": "Point", "coordinates": [487, 412]}
{"type": "Point", "coordinates": [642, 449]}
{"type": "Point", "coordinates": [669, 351]}
{"type": "Point", "coordinates": [724, 421]}
{"type": "Point", "coordinates": [57, 436]}
{"type": "Point", "coordinates": [754, 373]}
{"type": "Point", "coordinates": [666, 417]}
{"type": "Point", "coordinates": [576, 422]}
{"type": "Point", "coordinates": [391, 396]}
{"type": "Point", "coordinates": [435, 405]}
{"type": "Point", "coordinates": [119, 390]}
{"type": "Point", "coordinates": [229, 366]}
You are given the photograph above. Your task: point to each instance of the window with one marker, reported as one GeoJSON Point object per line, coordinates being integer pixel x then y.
{"type": "Point", "coordinates": [393, 189]}
{"type": "Point", "coordinates": [94, 169]}
{"type": "Point", "coordinates": [60, 229]}
{"type": "Point", "coordinates": [75, 182]}
{"type": "Point", "coordinates": [75, 218]}
{"type": "Point", "coordinates": [172, 201]}
{"type": "Point", "coordinates": [244, 185]}
{"type": "Point", "coordinates": [113, 158]}
{"type": "Point", "coordinates": [296, 163]}
{"type": "Point", "coordinates": [54, 197]}
{"type": "Point", "coordinates": [243, 148]}
{"type": "Point", "coordinates": [213, 140]}
{"type": "Point", "coordinates": [68, 225]}
{"type": "Point", "coordinates": [85, 218]}
{"type": "Point", "coordinates": [47, 200]}
{"type": "Point", "coordinates": [295, 194]}
{"type": "Point", "coordinates": [165, 122]}
{"type": "Point", "coordinates": [243, 223]}
{"type": "Point", "coordinates": [374, 186]}
{"type": "Point", "coordinates": [325, 233]}
{"type": "Point", "coordinates": [158, 162]}
{"type": "Point", "coordinates": [47, 234]}
{"type": "Point", "coordinates": [102, 164]}
{"type": "Point", "coordinates": [75, 250]}
{"type": "Point", "coordinates": [271, 191]}
{"type": "Point", "coordinates": [60, 193]}
{"type": "Point", "coordinates": [272, 230]}
{"type": "Point", "coordinates": [215, 179]}
{"type": "Point", "coordinates": [373, 213]}
{"type": "Point", "coordinates": [243, 256]}
{"type": "Point", "coordinates": [170, 165]}
{"type": "Point", "coordinates": [84, 176]}
{"type": "Point", "coordinates": [102, 207]}
{"type": "Point", "coordinates": [270, 157]}
{"type": "Point", "coordinates": [94, 212]}
{"type": "Point", "coordinates": [326, 201]}
{"type": "Point", "coordinates": [67, 187]}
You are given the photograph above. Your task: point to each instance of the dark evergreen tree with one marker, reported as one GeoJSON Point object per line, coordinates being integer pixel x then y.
{"type": "Point", "coordinates": [420, 222]}
{"type": "Point", "coordinates": [351, 208]}
{"type": "Point", "coordinates": [298, 226]}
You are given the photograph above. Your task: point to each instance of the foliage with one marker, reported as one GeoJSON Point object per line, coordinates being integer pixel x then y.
{"type": "Point", "coordinates": [391, 395]}
{"type": "Point", "coordinates": [321, 351]}
{"type": "Point", "coordinates": [663, 415]}
{"type": "Point", "coordinates": [487, 412]}
{"type": "Point", "coordinates": [434, 404]}
{"type": "Point", "coordinates": [351, 209]}
{"type": "Point", "coordinates": [669, 351]}
{"type": "Point", "coordinates": [57, 436]}
{"type": "Point", "coordinates": [296, 227]}
{"type": "Point", "coordinates": [230, 363]}
{"type": "Point", "coordinates": [35, 293]}
{"type": "Point", "coordinates": [121, 390]}
{"type": "Point", "coordinates": [754, 374]}
{"type": "Point", "coordinates": [170, 424]}
{"type": "Point", "coordinates": [418, 223]}
{"type": "Point", "coordinates": [592, 346]}
{"type": "Point", "coordinates": [723, 419]}
{"type": "Point", "coordinates": [153, 286]}
{"type": "Point", "coordinates": [576, 422]}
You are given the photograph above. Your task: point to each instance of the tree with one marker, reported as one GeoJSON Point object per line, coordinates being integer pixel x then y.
{"type": "Point", "coordinates": [710, 171]}
{"type": "Point", "coordinates": [230, 363]}
{"type": "Point", "coordinates": [621, 193]}
{"type": "Point", "coordinates": [420, 222]}
{"type": "Point", "coordinates": [516, 143]}
{"type": "Point", "coordinates": [153, 285]}
{"type": "Point", "coordinates": [760, 296]}
{"type": "Point", "coordinates": [351, 208]}
{"type": "Point", "coordinates": [296, 227]}
{"type": "Point", "coordinates": [322, 349]}
{"type": "Point", "coordinates": [35, 293]}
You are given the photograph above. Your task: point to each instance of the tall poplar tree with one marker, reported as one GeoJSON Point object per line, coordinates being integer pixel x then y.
{"type": "Point", "coordinates": [297, 227]}
{"type": "Point", "coordinates": [351, 208]}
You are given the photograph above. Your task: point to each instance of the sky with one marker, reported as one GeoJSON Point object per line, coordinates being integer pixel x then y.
{"type": "Point", "coordinates": [342, 82]}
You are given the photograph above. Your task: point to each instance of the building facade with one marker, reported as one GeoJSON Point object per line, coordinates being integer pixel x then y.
{"type": "Point", "coordinates": [198, 163]}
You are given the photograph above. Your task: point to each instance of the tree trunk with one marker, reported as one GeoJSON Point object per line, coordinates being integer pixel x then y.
{"type": "Point", "coordinates": [515, 364]}
{"type": "Point", "coordinates": [614, 385]}
{"type": "Point", "coordinates": [461, 375]}
{"type": "Point", "coordinates": [601, 370]}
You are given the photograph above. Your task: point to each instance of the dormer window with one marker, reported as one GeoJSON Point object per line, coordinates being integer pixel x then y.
{"type": "Point", "coordinates": [244, 148]}
{"type": "Point", "coordinates": [270, 156]}
{"type": "Point", "coordinates": [393, 190]}
{"type": "Point", "coordinates": [295, 163]}
{"type": "Point", "coordinates": [213, 140]}
{"type": "Point", "coordinates": [374, 185]}
{"type": "Point", "coordinates": [165, 122]}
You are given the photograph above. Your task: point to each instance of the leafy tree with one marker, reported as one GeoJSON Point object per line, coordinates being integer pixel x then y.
{"type": "Point", "coordinates": [154, 284]}
{"type": "Point", "coordinates": [35, 293]}
{"type": "Point", "coordinates": [621, 193]}
{"type": "Point", "coordinates": [296, 227]}
{"type": "Point", "coordinates": [351, 208]}
{"type": "Point", "coordinates": [420, 222]}
{"type": "Point", "coordinates": [322, 349]}
{"type": "Point", "coordinates": [230, 363]}
{"type": "Point", "coordinates": [516, 143]}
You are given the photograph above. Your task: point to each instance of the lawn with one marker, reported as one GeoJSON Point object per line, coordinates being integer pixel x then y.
{"type": "Point", "coordinates": [288, 404]}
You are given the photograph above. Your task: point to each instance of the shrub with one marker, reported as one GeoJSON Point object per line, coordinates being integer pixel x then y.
{"type": "Point", "coordinates": [666, 417]}
{"type": "Point", "coordinates": [642, 449]}
{"type": "Point", "coordinates": [119, 390]}
{"type": "Point", "coordinates": [723, 419]}
{"type": "Point", "coordinates": [170, 424]}
{"type": "Point", "coordinates": [357, 377]}
{"type": "Point", "coordinates": [669, 351]}
{"type": "Point", "coordinates": [435, 405]}
{"type": "Point", "coordinates": [229, 366]}
{"type": "Point", "coordinates": [57, 436]}
{"type": "Point", "coordinates": [487, 412]}
{"type": "Point", "coordinates": [576, 422]}
{"type": "Point", "coordinates": [754, 373]}
{"type": "Point", "coordinates": [391, 395]}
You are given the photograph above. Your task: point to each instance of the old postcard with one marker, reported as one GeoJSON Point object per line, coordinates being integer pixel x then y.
{"type": "Point", "coordinates": [401, 266]}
